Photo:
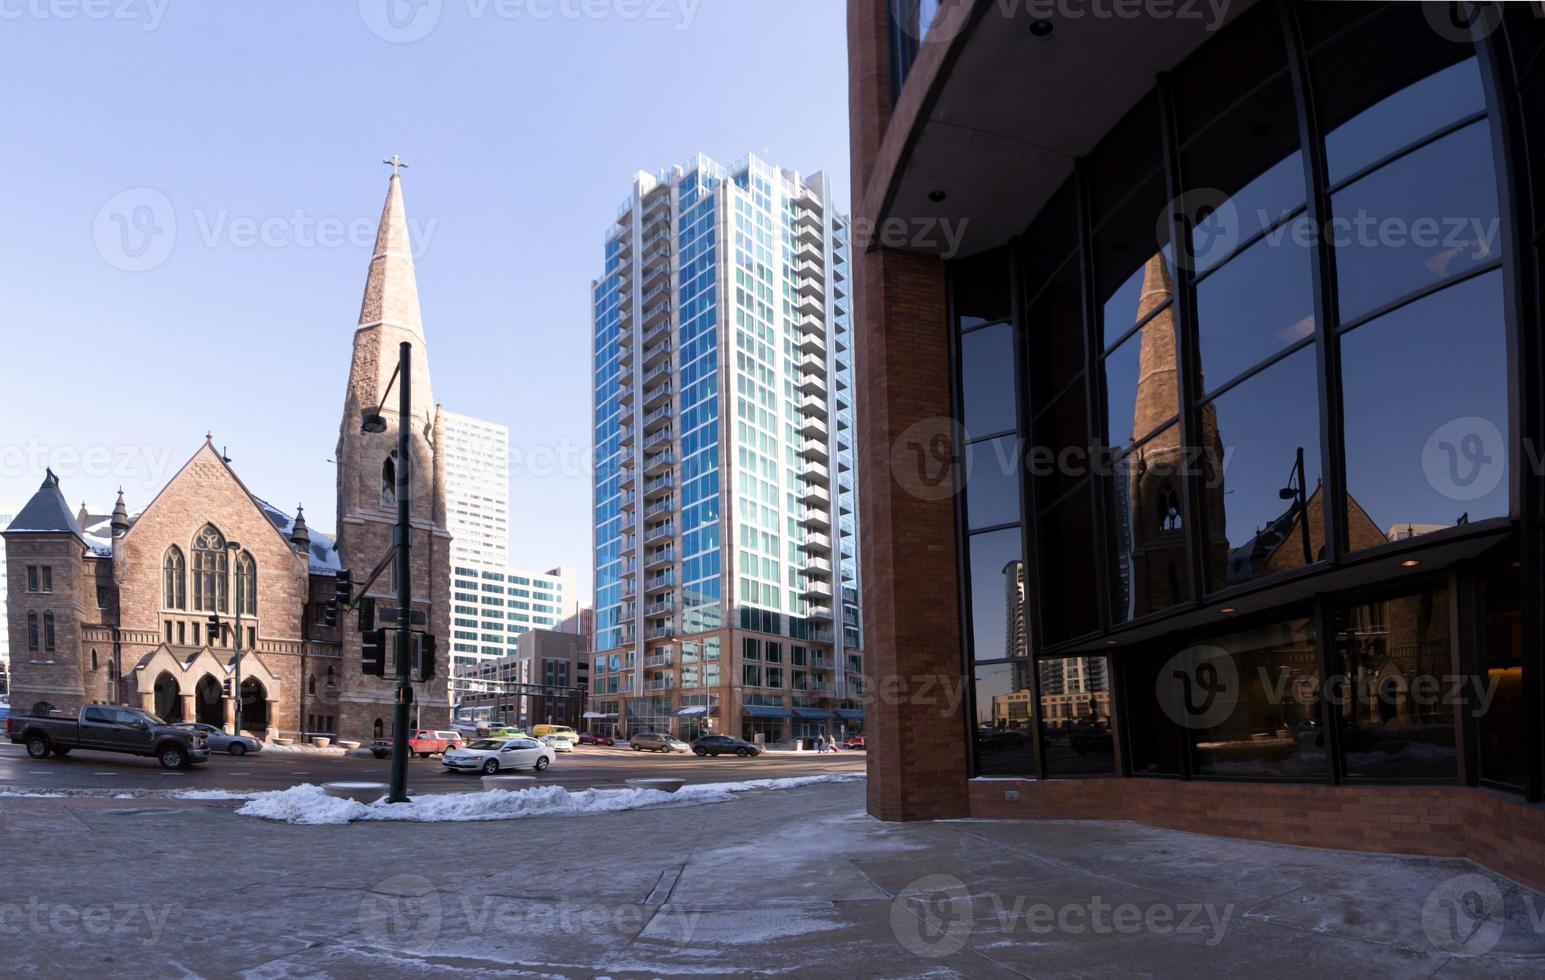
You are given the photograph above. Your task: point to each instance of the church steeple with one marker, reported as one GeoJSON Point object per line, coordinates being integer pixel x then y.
{"type": "Point", "coordinates": [390, 314]}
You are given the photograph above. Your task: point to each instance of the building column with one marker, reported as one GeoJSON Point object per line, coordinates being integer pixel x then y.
{"type": "Point", "coordinates": [915, 700]}
{"type": "Point", "coordinates": [230, 715]}
{"type": "Point", "coordinates": [188, 711]}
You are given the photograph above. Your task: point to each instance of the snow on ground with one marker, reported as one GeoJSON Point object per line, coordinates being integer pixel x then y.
{"type": "Point", "coordinates": [210, 794]}
{"type": "Point", "coordinates": [308, 804]}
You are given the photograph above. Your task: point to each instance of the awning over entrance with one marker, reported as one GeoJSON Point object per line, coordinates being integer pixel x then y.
{"type": "Point", "coordinates": [818, 714]}
{"type": "Point", "coordinates": [599, 714]}
{"type": "Point", "coordinates": [850, 714]}
{"type": "Point", "coordinates": [765, 711]}
{"type": "Point", "coordinates": [694, 710]}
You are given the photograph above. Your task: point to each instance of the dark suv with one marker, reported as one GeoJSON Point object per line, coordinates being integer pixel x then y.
{"type": "Point", "coordinates": [724, 745]}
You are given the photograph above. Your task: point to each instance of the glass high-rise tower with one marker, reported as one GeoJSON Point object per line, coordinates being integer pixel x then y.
{"type": "Point", "coordinates": [726, 536]}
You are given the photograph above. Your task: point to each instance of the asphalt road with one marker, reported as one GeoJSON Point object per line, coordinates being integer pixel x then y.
{"type": "Point", "coordinates": [584, 767]}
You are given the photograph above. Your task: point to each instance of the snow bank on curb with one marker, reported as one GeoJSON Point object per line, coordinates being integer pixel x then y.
{"type": "Point", "coordinates": [210, 794]}
{"type": "Point", "coordinates": [308, 804]}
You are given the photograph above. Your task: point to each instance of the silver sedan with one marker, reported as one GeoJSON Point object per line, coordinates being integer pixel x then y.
{"type": "Point", "coordinates": [220, 741]}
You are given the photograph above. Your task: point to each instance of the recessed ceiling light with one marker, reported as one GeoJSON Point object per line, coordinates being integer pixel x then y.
{"type": "Point", "coordinates": [936, 196]}
{"type": "Point", "coordinates": [1110, 643]}
{"type": "Point", "coordinates": [1227, 609]}
{"type": "Point", "coordinates": [1041, 28]}
{"type": "Point", "coordinates": [1410, 563]}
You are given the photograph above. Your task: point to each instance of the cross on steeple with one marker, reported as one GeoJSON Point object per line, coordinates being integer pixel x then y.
{"type": "Point", "coordinates": [395, 163]}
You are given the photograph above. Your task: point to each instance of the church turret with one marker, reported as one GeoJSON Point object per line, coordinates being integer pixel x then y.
{"type": "Point", "coordinates": [120, 522]}
{"type": "Point", "coordinates": [300, 534]}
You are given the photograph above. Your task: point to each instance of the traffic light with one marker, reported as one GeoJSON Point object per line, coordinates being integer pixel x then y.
{"type": "Point", "coordinates": [214, 630]}
{"type": "Point", "coordinates": [345, 586]}
{"type": "Point", "coordinates": [330, 612]}
{"type": "Point", "coordinates": [225, 687]}
{"type": "Point", "coordinates": [372, 653]}
{"type": "Point", "coordinates": [423, 656]}
{"type": "Point", "coordinates": [367, 615]}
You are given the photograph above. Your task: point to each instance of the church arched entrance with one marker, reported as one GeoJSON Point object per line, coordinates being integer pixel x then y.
{"type": "Point", "coordinates": [168, 701]}
{"type": "Point", "coordinates": [254, 706]}
{"type": "Point", "coordinates": [208, 703]}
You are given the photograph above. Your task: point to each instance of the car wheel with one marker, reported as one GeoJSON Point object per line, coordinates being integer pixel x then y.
{"type": "Point", "coordinates": [237, 748]}
{"type": "Point", "coordinates": [700, 751]}
{"type": "Point", "coordinates": [541, 763]}
{"type": "Point", "coordinates": [423, 755]}
{"type": "Point", "coordinates": [742, 752]}
{"type": "Point", "coordinates": [491, 766]}
{"type": "Point", "coordinates": [638, 748]}
{"type": "Point", "coordinates": [37, 746]}
{"type": "Point", "coordinates": [172, 757]}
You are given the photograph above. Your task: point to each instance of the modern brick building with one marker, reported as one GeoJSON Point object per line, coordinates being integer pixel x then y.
{"type": "Point", "coordinates": [1198, 389]}
{"type": "Point", "coordinates": [116, 608]}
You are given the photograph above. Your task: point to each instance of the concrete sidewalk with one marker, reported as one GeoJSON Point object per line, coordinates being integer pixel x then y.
{"type": "Point", "coordinates": [796, 882]}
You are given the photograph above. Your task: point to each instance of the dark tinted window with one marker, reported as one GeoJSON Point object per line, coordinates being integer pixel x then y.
{"type": "Point", "coordinates": [980, 288]}
{"type": "Point", "coordinates": [1255, 504]}
{"type": "Point", "coordinates": [1427, 415]}
{"type": "Point", "coordinates": [1055, 336]}
{"type": "Point", "coordinates": [992, 484]}
{"type": "Point", "coordinates": [987, 380]}
{"type": "Point", "coordinates": [1155, 740]}
{"type": "Point", "coordinates": [1251, 701]}
{"type": "Point", "coordinates": [1066, 539]}
{"type": "Point", "coordinates": [1395, 705]}
{"type": "Point", "coordinates": [1406, 115]}
{"type": "Point", "coordinates": [1259, 303]}
{"type": "Point", "coordinates": [1146, 528]}
{"type": "Point", "coordinates": [1003, 723]}
{"type": "Point", "coordinates": [1131, 260]}
{"type": "Point", "coordinates": [1427, 217]}
{"type": "Point", "coordinates": [1060, 455]}
{"type": "Point", "coordinates": [997, 584]}
{"type": "Point", "coordinates": [1502, 704]}
{"type": "Point", "coordinates": [1075, 716]}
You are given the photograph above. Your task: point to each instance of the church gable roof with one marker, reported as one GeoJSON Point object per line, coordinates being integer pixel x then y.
{"type": "Point", "coordinates": [47, 512]}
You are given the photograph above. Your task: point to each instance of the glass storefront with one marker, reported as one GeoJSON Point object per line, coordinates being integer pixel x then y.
{"type": "Point", "coordinates": [1261, 349]}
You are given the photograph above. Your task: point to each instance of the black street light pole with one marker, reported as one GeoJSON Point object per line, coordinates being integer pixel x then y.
{"type": "Point", "coordinates": [402, 538]}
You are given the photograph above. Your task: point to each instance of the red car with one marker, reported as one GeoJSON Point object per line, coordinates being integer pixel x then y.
{"type": "Point", "coordinates": [591, 738]}
{"type": "Point", "coordinates": [855, 742]}
{"type": "Point", "coordinates": [427, 743]}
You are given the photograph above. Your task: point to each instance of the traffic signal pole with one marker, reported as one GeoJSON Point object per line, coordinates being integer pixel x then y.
{"type": "Point", "coordinates": [402, 538]}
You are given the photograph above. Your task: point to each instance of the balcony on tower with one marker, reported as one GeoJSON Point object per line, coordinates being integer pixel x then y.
{"type": "Point", "coordinates": [657, 417]}
{"type": "Point", "coordinates": [813, 429]}
{"type": "Point", "coordinates": [660, 393]}
{"type": "Point", "coordinates": [813, 364]}
{"type": "Point", "coordinates": [818, 568]}
{"type": "Point", "coordinates": [815, 473]}
{"type": "Point", "coordinates": [665, 505]}
{"type": "Point", "coordinates": [661, 532]}
{"type": "Point", "coordinates": [815, 497]}
{"type": "Point", "coordinates": [656, 485]}
{"type": "Point", "coordinates": [659, 439]}
{"type": "Point", "coordinates": [816, 543]}
{"type": "Point", "coordinates": [657, 352]}
{"type": "Point", "coordinates": [814, 406]}
{"type": "Point", "coordinates": [659, 462]}
{"type": "Point", "coordinates": [816, 519]}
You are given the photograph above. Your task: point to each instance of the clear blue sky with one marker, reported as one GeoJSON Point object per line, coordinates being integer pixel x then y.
{"type": "Point", "coordinates": [523, 131]}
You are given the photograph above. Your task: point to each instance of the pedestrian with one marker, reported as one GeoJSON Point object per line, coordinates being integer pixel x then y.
{"type": "Point", "coordinates": [834, 743]}
{"type": "Point", "coordinates": [820, 743]}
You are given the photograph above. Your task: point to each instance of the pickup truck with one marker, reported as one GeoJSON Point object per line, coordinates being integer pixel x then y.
{"type": "Point", "coordinates": [108, 728]}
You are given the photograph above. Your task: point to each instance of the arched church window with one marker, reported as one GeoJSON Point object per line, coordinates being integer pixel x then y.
{"type": "Point", "coordinates": [211, 567]}
{"type": "Point", "coordinates": [311, 684]}
{"type": "Point", "coordinates": [389, 481]}
{"type": "Point", "coordinates": [32, 631]}
{"type": "Point", "coordinates": [112, 671]}
{"type": "Point", "coordinates": [379, 728]}
{"type": "Point", "coordinates": [332, 677]}
{"type": "Point", "coordinates": [1169, 510]}
{"type": "Point", "coordinates": [48, 631]}
{"type": "Point", "coordinates": [246, 585]}
{"type": "Point", "coordinates": [94, 664]}
{"type": "Point", "coordinates": [176, 575]}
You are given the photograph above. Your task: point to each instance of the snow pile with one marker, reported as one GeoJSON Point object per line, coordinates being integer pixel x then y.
{"type": "Point", "coordinates": [210, 794]}
{"type": "Point", "coordinates": [308, 804]}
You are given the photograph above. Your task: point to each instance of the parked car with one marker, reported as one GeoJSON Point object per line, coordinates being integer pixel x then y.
{"type": "Point", "coordinates": [492, 755]}
{"type": "Point", "coordinates": [505, 731]}
{"type": "Point", "coordinates": [426, 743]}
{"type": "Point", "coordinates": [563, 731]}
{"type": "Point", "coordinates": [380, 747]}
{"type": "Point", "coordinates": [855, 742]}
{"type": "Point", "coordinates": [594, 738]}
{"type": "Point", "coordinates": [657, 742]}
{"type": "Point", "coordinates": [220, 741]}
{"type": "Point", "coordinates": [107, 728]}
{"type": "Point", "coordinates": [557, 742]}
{"type": "Point", "coordinates": [717, 745]}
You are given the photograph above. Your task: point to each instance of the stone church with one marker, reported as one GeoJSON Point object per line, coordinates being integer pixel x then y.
{"type": "Point", "coordinates": [117, 607]}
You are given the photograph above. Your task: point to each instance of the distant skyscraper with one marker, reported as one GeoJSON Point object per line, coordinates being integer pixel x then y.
{"type": "Point", "coordinates": [477, 480]}
{"type": "Point", "coordinates": [726, 569]}
{"type": "Point", "coordinates": [492, 604]}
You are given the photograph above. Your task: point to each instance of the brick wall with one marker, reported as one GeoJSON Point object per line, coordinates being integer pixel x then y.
{"type": "Point", "coordinates": [44, 675]}
{"type": "Point", "coordinates": [1492, 829]}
